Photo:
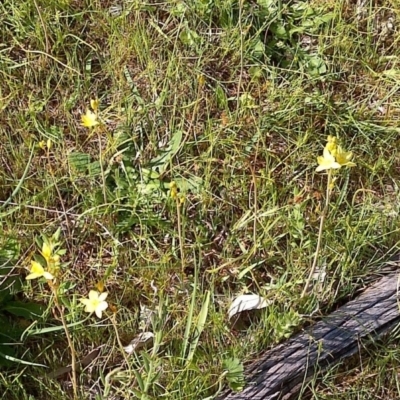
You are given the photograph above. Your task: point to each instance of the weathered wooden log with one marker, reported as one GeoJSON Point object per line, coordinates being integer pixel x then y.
{"type": "Point", "coordinates": [282, 371]}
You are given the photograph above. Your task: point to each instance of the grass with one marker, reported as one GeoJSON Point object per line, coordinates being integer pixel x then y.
{"type": "Point", "coordinates": [215, 97]}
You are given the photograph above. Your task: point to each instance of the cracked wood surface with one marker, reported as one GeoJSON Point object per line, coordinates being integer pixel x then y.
{"type": "Point", "coordinates": [281, 372]}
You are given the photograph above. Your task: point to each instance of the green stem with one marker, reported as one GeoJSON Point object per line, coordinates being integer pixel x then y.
{"type": "Point", "coordinates": [178, 211]}
{"type": "Point", "coordinates": [70, 344]}
{"type": "Point", "coordinates": [321, 228]}
{"type": "Point", "coordinates": [102, 170]}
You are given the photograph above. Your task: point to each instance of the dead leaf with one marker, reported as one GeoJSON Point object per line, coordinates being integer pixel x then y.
{"type": "Point", "coordinates": [244, 309]}
{"type": "Point", "coordinates": [142, 341]}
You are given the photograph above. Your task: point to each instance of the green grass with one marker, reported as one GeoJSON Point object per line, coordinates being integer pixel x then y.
{"type": "Point", "coordinates": [214, 96]}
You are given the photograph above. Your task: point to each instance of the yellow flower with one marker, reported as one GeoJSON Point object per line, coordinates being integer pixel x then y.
{"type": "Point", "coordinates": [45, 145]}
{"type": "Point", "coordinates": [201, 79]}
{"type": "Point", "coordinates": [46, 251]}
{"type": "Point", "coordinates": [173, 188]}
{"type": "Point", "coordinates": [37, 271]}
{"type": "Point", "coordinates": [100, 286]}
{"type": "Point", "coordinates": [95, 302]}
{"type": "Point", "coordinates": [332, 183]}
{"type": "Point", "coordinates": [343, 157]}
{"type": "Point", "coordinates": [89, 120]}
{"type": "Point", "coordinates": [95, 104]}
{"type": "Point", "coordinates": [331, 143]}
{"type": "Point", "coordinates": [327, 161]}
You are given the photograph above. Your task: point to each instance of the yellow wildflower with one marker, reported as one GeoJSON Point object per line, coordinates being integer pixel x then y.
{"type": "Point", "coordinates": [100, 286]}
{"type": "Point", "coordinates": [201, 80]}
{"type": "Point", "coordinates": [173, 188]}
{"type": "Point", "coordinates": [37, 271]}
{"type": "Point", "coordinates": [95, 303]}
{"type": "Point", "coordinates": [343, 157]}
{"type": "Point", "coordinates": [331, 143]}
{"type": "Point", "coordinates": [45, 145]}
{"type": "Point", "coordinates": [95, 104]}
{"type": "Point", "coordinates": [89, 120]}
{"type": "Point", "coordinates": [327, 161]}
{"type": "Point", "coordinates": [46, 251]}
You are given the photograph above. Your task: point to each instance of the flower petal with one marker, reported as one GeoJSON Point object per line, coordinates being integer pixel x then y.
{"type": "Point", "coordinates": [33, 275]}
{"type": "Point", "coordinates": [89, 305]}
{"type": "Point", "coordinates": [94, 104]}
{"type": "Point", "coordinates": [103, 296]}
{"type": "Point", "coordinates": [46, 251]}
{"type": "Point", "coordinates": [89, 308]}
{"type": "Point", "coordinates": [37, 268]}
{"type": "Point", "coordinates": [102, 306]}
{"type": "Point", "coordinates": [89, 119]}
{"type": "Point", "coordinates": [327, 155]}
{"type": "Point", "coordinates": [48, 275]}
{"type": "Point", "coordinates": [93, 295]}
{"type": "Point", "coordinates": [344, 158]}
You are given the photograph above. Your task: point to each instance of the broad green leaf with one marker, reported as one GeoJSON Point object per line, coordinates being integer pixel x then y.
{"type": "Point", "coordinates": [94, 168]}
{"type": "Point", "coordinates": [9, 331]}
{"type": "Point", "coordinates": [79, 161]}
{"type": "Point", "coordinates": [279, 31]}
{"type": "Point", "coordinates": [234, 373]}
{"type": "Point", "coordinates": [189, 37]}
{"type": "Point", "coordinates": [25, 310]}
{"type": "Point", "coordinates": [199, 326]}
{"type": "Point", "coordinates": [328, 17]}
{"type": "Point", "coordinates": [259, 49]}
{"type": "Point", "coordinates": [192, 184]}
{"type": "Point", "coordinates": [266, 3]}
{"type": "Point", "coordinates": [162, 161]}
{"type": "Point", "coordinates": [5, 352]}
{"type": "Point", "coordinates": [220, 96]}
{"type": "Point", "coordinates": [256, 72]}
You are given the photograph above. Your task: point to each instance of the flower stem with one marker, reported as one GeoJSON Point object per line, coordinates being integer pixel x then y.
{"type": "Point", "coordinates": [321, 228]}
{"type": "Point", "coordinates": [70, 344]}
{"type": "Point", "coordinates": [113, 320]}
{"type": "Point", "coordinates": [178, 211]}
{"type": "Point", "coordinates": [102, 169]}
